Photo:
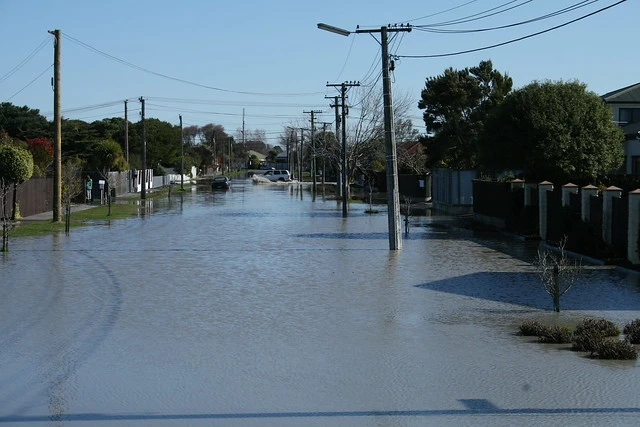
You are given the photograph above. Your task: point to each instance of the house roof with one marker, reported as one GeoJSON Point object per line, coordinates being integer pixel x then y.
{"type": "Point", "coordinates": [626, 95]}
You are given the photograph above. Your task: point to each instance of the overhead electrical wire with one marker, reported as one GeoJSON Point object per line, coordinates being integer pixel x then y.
{"type": "Point", "coordinates": [513, 40]}
{"type": "Point", "coordinates": [31, 82]}
{"type": "Point", "coordinates": [441, 12]}
{"type": "Point", "coordinates": [165, 76]}
{"type": "Point", "coordinates": [515, 24]}
{"type": "Point", "coordinates": [482, 15]}
{"type": "Point", "coordinates": [25, 61]}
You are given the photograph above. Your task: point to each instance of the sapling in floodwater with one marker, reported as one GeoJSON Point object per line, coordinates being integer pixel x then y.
{"type": "Point", "coordinates": [557, 272]}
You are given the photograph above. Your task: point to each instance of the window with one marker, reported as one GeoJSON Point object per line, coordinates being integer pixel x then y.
{"type": "Point", "coordinates": [628, 116]}
{"type": "Point", "coordinates": [635, 165]}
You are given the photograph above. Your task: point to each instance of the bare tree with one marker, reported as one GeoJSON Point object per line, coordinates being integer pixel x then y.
{"type": "Point", "coordinates": [366, 149]}
{"type": "Point", "coordinates": [557, 272]}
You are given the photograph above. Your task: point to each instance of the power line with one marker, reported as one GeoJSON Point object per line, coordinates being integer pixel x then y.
{"type": "Point", "coordinates": [31, 82]}
{"type": "Point", "coordinates": [515, 24]}
{"type": "Point", "coordinates": [25, 61]}
{"type": "Point", "coordinates": [165, 76]}
{"type": "Point", "coordinates": [513, 40]}
{"type": "Point", "coordinates": [441, 12]}
{"type": "Point", "coordinates": [485, 14]}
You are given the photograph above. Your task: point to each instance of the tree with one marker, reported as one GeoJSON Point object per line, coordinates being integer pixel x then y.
{"type": "Point", "coordinates": [456, 104]}
{"type": "Point", "coordinates": [72, 186]}
{"type": "Point", "coordinates": [555, 131]}
{"type": "Point", "coordinates": [107, 155]}
{"type": "Point", "coordinates": [557, 273]}
{"type": "Point", "coordinates": [16, 166]}
{"type": "Point", "coordinates": [42, 151]}
{"type": "Point", "coordinates": [23, 122]}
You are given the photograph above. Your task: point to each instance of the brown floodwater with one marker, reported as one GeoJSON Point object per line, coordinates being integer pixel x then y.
{"type": "Point", "coordinates": [263, 307]}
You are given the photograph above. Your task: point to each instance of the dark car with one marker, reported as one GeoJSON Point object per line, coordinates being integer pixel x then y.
{"type": "Point", "coordinates": [221, 182]}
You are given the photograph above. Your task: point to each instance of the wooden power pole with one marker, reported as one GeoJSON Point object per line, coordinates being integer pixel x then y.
{"type": "Point", "coordinates": [57, 118]}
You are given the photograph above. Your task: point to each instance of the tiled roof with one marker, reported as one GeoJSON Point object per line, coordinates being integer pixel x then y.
{"type": "Point", "coordinates": [629, 94]}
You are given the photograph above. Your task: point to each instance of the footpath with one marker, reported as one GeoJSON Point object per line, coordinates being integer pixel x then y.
{"type": "Point", "coordinates": [48, 215]}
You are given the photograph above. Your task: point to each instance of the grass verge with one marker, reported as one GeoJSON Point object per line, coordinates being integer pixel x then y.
{"type": "Point", "coordinates": [78, 219]}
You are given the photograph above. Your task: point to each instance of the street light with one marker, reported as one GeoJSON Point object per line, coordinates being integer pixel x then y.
{"type": "Point", "coordinates": [333, 29]}
{"type": "Point", "coordinates": [395, 239]}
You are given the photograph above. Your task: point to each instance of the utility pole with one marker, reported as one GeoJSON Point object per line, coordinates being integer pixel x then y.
{"type": "Point", "coordinates": [182, 156]}
{"type": "Point", "coordinates": [336, 106]}
{"type": "Point", "coordinates": [57, 117]}
{"type": "Point", "coordinates": [393, 198]}
{"type": "Point", "coordinates": [126, 131]}
{"type": "Point", "coordinates": [243, 139]}
{"type": "Point", "coordinates": [324, 153]}
{"type": "Point", "coordinates": [314, 185]}
{"type": "Point", "coordinates": [126, 142]}
{"type": "Point", "coordinates": [143, 156]}
{"type": "Point", "coordinates": [292, 141]}
{"type": "Point", "coordinates": [345, 176]}
{"type": "Point", "coordinates": [301, 155]}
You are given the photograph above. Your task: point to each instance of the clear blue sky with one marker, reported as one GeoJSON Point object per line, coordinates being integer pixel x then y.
{"type": "Point", "coordinates": [270, 59]}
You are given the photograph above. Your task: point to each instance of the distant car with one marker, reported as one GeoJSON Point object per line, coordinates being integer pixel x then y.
{"type": "Point", "coordinates": [277, 175]}
{"type": "Point", "coordinates": [221, 182]}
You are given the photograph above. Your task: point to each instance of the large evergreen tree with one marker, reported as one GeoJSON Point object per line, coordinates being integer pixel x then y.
{"type": "Point", "coordinates": [557, 131]}
{"type": "Point", "coordinates": [456, 104]}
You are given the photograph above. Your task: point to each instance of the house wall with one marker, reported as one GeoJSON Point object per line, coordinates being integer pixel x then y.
{"type": "Point", "coordinates": [631, 149]}
{"type": "Point", "coordinates": [631, 146]}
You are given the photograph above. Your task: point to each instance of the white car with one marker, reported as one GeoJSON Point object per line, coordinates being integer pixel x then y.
{"type": "Point", "coordinates": [277, 175]}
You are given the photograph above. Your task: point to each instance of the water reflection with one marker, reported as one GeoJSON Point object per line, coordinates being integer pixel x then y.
{"type": "Point", "coordinates": [258, 306]}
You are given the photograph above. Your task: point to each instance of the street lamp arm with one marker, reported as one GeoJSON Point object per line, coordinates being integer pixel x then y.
{"type": "Point", "coordinates": [333, 29]}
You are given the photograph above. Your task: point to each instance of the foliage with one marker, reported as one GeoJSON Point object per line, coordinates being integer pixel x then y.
{"type": "Point", "coordinates": [42, 151]}
{"type": "Point", "coordinates": [23, 122]}
{"type": "Point", "coordinates": [555, 131]}
{"type": "Point", "coordinates": [456, 104]}
{"type": "Point", "coordinates": [632, 331]}
{"type": "Point", "coordinates": [590, 334]}
{"type": "Point", "coordinates": [16, 164]}
{"type": "Point", "coordinates": [557, 273]}
{"type": "Point", "coordinates": [546, 334]}
{"type": "Point", "coordinates": [531, 328]}
{"type": "Point", "coordinates": [615, 349]}
{"type": "Point", "coordinates": [106, 155]}
{"type": "Point", "coordinates": [556, 335]}
{"type": "Point", "coordinates": [72, 186]}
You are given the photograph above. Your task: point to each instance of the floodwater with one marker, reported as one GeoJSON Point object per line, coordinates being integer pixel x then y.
{"type": "Point", "coordinates": [262, 307]}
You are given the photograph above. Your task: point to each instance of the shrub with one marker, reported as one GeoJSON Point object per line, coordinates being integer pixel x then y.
{"type": "Point", "coordinates": [532, 328]}
{"type": "Point", "coordinates": [588, 341]}
{"type": "Point", "coordinates": [556, 335]}
{"type": "Point", "coordinates": [590, 334]}
{"type": "Point", "coordinates": [615, 349]}
{"type": "Point", "coordinates": [604, 326]}
{"type": "Point", "coordinates": [632, 331]}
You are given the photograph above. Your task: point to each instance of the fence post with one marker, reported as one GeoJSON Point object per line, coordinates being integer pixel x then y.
{"type": "Point", "coordinates": [543, 187]}
{"type": "Point", "coordinates": [568, 189]}
{"type": "Point", "coordinates": [587, 192]}
{"type": "Point", "coordinates": [516, 184]}
{"type": "Point", "coordinates": [633, 231]}
{"type": "Point", "coordinates": [607, 206]}
{"type": "Point", "coordinates": [527, 193]}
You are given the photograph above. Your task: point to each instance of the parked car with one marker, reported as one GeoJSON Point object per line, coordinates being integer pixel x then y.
{"type": "Point", "coordinates": [221, 182]}
{"type": "Point", "coordinates": [277, 175]}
